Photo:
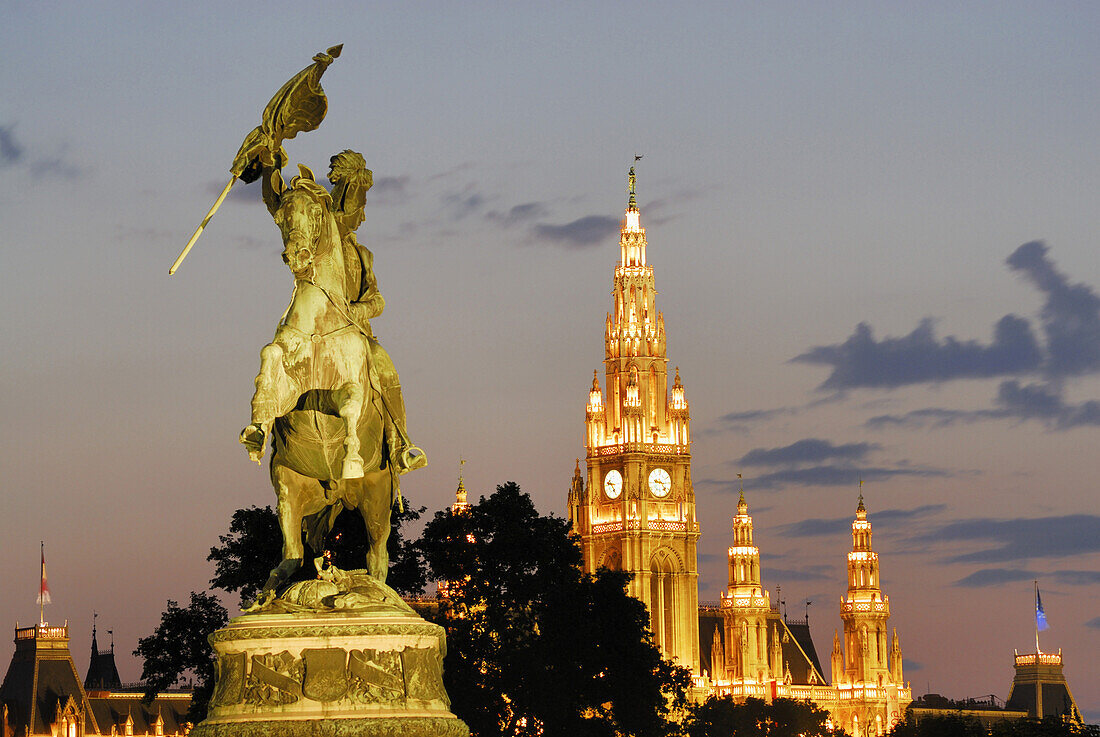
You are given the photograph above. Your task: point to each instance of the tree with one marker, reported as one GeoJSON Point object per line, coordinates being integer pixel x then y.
{"type": "Point", "coordinates": [178, 650]}
{"type": "Point", "coordinates": [535, 645]}
{"type": "Point", "coordinates": [253, 547]}
{"type": "Point", "coordinates": [957, 725]}
{"type": "Point", "coordinates": [722, 716]}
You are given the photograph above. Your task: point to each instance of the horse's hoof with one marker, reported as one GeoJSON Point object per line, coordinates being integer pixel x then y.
{"type": "Point", "coordinates": [411, 459]}
{"type": "Point", "coordinates": [353, 468]}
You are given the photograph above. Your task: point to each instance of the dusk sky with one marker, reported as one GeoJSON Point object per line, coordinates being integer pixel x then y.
{"type": "Point", "coordinates": [873, 226]}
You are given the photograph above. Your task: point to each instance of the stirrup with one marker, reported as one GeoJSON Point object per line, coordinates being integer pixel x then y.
{"type": "Point", "coordinates": [411, 459]}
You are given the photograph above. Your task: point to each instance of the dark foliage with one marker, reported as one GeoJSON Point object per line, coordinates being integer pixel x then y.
{"type": "Point", "coordinates": [724, 717]}
{"type": "Point", "coordinates": [178, 651]}
{"type": "Point", "coordinates": [967, 726]}
{"type": "Point", "coordinates": [535, 645]}
{"type": "Point", "coordinates": [253, 547]}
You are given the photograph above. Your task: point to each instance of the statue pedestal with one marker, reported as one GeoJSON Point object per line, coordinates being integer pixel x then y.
{"type": "Point", "coordinates": [330, 674]}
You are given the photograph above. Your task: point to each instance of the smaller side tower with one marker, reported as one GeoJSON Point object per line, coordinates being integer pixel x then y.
{"type": "Point", "coordinates": [745, 606]}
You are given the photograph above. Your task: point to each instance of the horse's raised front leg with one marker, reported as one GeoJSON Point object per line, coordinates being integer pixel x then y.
{"type": "Point", "coordinates": [275, 396]}
{"type": "Point", "coordinates": [375, 506]}
{"type": "Point", "coordinates": [349, 405]}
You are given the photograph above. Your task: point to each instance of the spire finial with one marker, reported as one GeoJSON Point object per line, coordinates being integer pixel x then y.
{"type": "Point", "coordinates": [595, 380]}
{"type": "Point", "coordinates": [861, 508]}
{"type": "Point", "coordinates": [741, 505]}
{"type": "Point", "coordinates": [632, 203]}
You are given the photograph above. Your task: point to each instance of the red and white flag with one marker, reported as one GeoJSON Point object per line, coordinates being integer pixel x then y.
{"type": "Point", "coordinates": [44, 589]}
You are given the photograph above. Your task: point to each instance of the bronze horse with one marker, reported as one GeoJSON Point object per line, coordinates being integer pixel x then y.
{"type": "Point", "coordinates": [318, 395]}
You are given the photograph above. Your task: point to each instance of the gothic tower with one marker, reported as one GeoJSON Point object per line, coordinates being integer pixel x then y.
{"type": "Point", "coordinates": [745, 607]}
{"type": "Point", "coordinates": [873, 693]}
{"type": "Point", "coordinates": [865, 611]}
{"type": "Point", "coordinates": [637, 510]}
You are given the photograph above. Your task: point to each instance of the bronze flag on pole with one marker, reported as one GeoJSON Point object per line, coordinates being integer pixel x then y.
{"type": "Point", "coordinates": [299, 105]}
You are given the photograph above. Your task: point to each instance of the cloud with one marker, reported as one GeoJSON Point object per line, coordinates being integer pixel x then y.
{"type": "Point", "coordinates": [834, 475]}
{"type": "Point", "coordinates": [1070, 315]}
{"type": "Point", "coordinates": [1022, 538]}
{"type": "Point", "coordinates": [1077, 578]}
{"type": "Point", "coordinates": [810, 450]}
{"type": "Point", "coordinates": [590, 230]}
{"type": "Point", "coordinates": [464, 202]}
{"type": "Point", "coordinates": [911, 665]}
{"type": "Point", "coordinates": [819, 527]}
{"type": "Point", "coordinates": [861, 361]}
{"type": "Point", "coordinates": [754, 415]}
{"type": "Point", "coordinates": [11, 152]}
{"type": "Point", "coordinates": [995, 577]}
{"type": "Point", "coordinates": [518, 214]}
{"type": "Point", "coordinates": [390, 190]}
{"type": "Point", "coordinates": [1042, 401]}
{"type": "Point", "coordinates": [1094, 623]}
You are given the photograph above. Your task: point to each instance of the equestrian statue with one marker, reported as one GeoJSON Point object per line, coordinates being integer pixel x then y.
{"type": "Point", "coordinates": [328, 399]}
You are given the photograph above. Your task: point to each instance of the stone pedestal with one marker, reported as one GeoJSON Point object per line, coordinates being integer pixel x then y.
{"type": "Point", "coordinates": [330, 674]}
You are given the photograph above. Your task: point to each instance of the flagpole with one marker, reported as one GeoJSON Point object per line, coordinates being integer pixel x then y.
{"type": "Point", "coordinates": [1037, 650]}
{"type": "Point", "coordinates": [41, 576]}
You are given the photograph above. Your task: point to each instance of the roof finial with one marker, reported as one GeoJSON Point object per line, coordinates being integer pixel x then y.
{"type": "Point", "coordinates": [861, 508]}
{"type": "Point", "coordinates": [741, 506]}
{"type": "Point", "coordinates": [632, 203]}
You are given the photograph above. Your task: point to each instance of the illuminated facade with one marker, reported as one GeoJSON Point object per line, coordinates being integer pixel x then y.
{"type": "Point", "coordinates": [42, 696]}
{"type": "Point", "coordinates": [868, 673]}
{"type": "Point", "coordinates": [637, 511]}
{"type": "Point", "coordinates": [633, 507]}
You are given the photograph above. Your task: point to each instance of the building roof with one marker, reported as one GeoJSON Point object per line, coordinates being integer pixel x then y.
{"type": "Point", "coordinates": [800, 652]}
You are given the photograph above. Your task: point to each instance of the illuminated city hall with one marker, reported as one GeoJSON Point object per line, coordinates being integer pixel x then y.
{"type": "Point", "coordinates": [634, 509]}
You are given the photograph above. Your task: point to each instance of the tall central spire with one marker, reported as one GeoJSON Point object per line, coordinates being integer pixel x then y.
{"type": "Point", "coordinates": [637, 510]}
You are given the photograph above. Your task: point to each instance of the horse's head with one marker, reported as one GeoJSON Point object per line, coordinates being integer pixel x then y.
{"type": "Point", "coordinates": [301, 220]}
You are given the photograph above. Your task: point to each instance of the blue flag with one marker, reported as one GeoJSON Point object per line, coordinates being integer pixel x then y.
{"type": "Point", "coordinates": [1040, 615]}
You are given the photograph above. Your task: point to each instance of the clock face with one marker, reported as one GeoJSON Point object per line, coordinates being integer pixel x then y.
{"type": "Point", "coordinates": [613, 484]}
{"type": "Point", "coordinates": [659, 483]}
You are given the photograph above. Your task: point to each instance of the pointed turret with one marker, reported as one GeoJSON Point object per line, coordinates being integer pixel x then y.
{"type": "Point", "coordinates": [836, 661]}
{"type": "Point", "coordinates": [745, 604]}
{"type": "Point", "coordinates": [461, 505]}
{"type": "Point", "coordinates": [102, 671]}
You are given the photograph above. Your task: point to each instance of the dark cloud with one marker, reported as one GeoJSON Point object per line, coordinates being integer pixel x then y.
{"type": "Point", "coordinates": [518, 214]}
{"type": "Point", "coordinates": [11, 152]}
{"type": "Point", "coordinates": [1042, 401]}
{"type": "Point", "coordinates": [1070, 319]}
{"type": "Point", "coordinates": [1077, 578]}
{"type": "Point", "coordinates": [819, 527]}
{"type": "Point", "coordinates": [835, 475]}
{"type": "Point", "coordinates": [995, 577]}
{"type": "Point", "coordinates": [754, 415]}
{"type": "Point", "coordinates": [1094, 623]}
{"type": "Point", "coordinates": [465, 202]}
{"type": "Point", "coordinates": [1070, 315]}
{"type": "Point", "coordinates": [590, 230]}
{"type": "Point", "coordinates": [921, 357]}
{"type": "Point", "coordinates": [810, 450]}
{"type": "Point", "coordinates": [911, 665]}
{"type": "Point", "coordinates": [55, 167]}
{"type": "Point", "coordinates": [1022, 538]}
{"type": "Point", "coordinates": [390, 190]}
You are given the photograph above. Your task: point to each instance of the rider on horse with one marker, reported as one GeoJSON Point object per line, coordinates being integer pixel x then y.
{"type": "Point", "coordinates": [350, 179]}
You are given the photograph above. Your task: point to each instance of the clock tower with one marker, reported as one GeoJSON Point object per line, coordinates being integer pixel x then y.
{"type": "Point", "coordinates": [635, 511]}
